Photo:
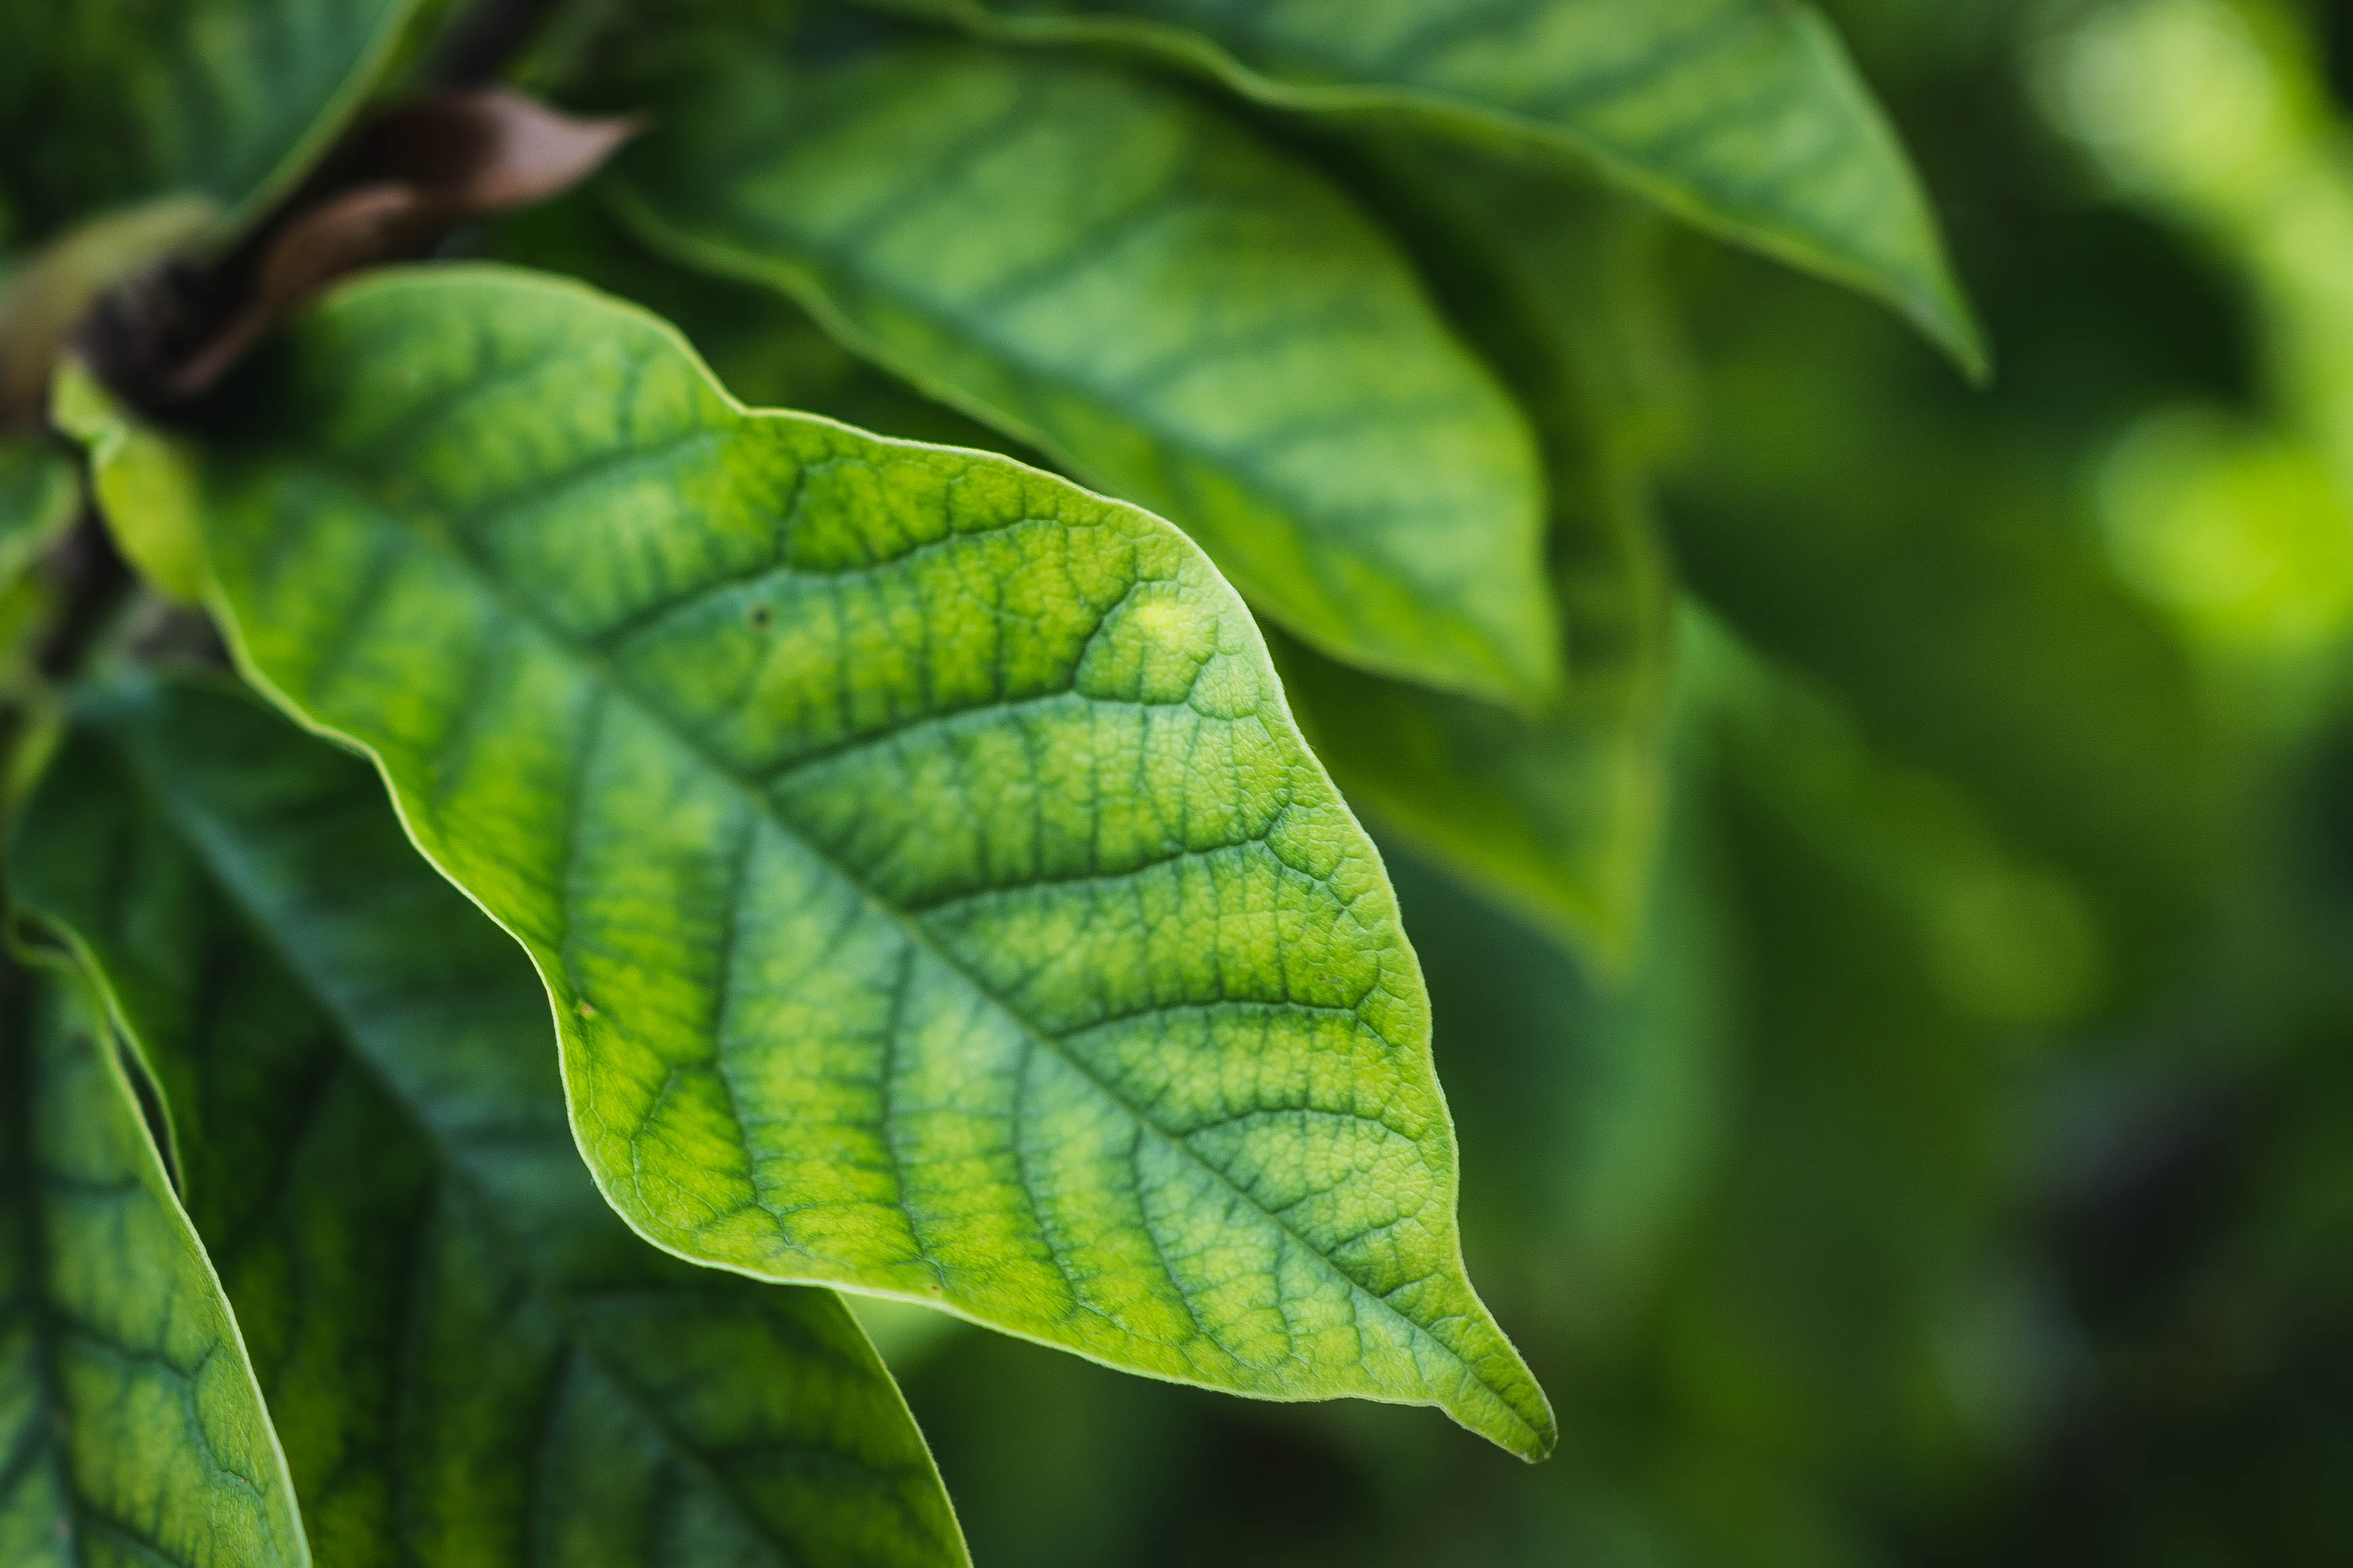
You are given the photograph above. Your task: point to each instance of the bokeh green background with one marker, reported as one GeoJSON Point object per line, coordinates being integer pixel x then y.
{"type": "Point", "coordinates": [1963, 1170]}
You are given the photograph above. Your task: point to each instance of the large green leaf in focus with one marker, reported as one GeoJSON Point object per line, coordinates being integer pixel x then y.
{"type": "Point", "coordinates": [1560, 811]}
{"type": "Point", "coordinates": [935, 895]}
{"type": "Point", "coordinates": [106, 102]}
{"type": "Point", "coordinates": [1116, 273]}
{"type": "Point", "coordinates": [1745, 117]}
{"type": "Point", "coordinates": [471, 1359]}
{"type": "Point", "coordinates": [131, 1434]}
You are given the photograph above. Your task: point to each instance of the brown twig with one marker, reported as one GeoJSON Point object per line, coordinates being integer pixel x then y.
{"type": "Point", "coordinates": [93, 579]}
{"type": "Point", "coordinates": [394, 188]}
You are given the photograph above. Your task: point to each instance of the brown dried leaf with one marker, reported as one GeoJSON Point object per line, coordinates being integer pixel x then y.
{"type": "Point", "coordinates": [401, 182]}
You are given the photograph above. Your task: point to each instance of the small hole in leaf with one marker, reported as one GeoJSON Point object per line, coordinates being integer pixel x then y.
{"type": "Point", "coordinates": [584, 1010]}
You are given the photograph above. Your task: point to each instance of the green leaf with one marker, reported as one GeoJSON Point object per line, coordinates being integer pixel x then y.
{"type": "Point", "coordinates": [139, 479]}
{"type": "Point", "coordinates": [1558, 812]}
{"type": "Point", "coordinates": [1109, 270]}
{"type": "Point", "coordinates": [1745, 117]}
{"type": "Point", "coordinates": [357, 1062]}
{"type": "Point", "coordinates": [39, 493]}
{"type": "Point", "coordinates": [935, 894]}
{"type": "Point", "coordinates": [106, 102]}
{"type": "Point", "coordinates": [41, 496]}
{"type": "Point", "coordinates": [766, 350]}
{"type": "Point", "coordinates": [130, 1428]}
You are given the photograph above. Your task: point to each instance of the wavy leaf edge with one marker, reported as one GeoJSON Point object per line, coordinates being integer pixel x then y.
{"type": "Point", "coordinates": [70, 968]}
{"type": "Point", "coordinates": [1533, 1433]}
{"type": "Point", "coordinates": [95, 717]}
{"type": "Point", "coordinates": [1940, 312]}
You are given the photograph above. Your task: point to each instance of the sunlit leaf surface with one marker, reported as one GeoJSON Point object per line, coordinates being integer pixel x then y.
{"type": "Point", "coordinates": [937, 897]}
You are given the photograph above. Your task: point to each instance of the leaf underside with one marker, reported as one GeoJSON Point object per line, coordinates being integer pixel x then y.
{"type": "Point", "coordinates": [470, 1357]}
{"type": "Point", "coordinates": [937, 897]}
{"type": "Point", "coordinates": [1744, 116]}
{"type": "Point", "coordinates": [104, 102]}
{"type": "Point", "coordinates": [131, 1431]}
{"type": "Point", "coordinates": [1116, 272]}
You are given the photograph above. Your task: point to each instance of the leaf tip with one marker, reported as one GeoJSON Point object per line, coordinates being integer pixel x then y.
{"type": "Point", "coordinates": [1503, 1402]}
{"type": "Point", "coordinates": [1945, 315]}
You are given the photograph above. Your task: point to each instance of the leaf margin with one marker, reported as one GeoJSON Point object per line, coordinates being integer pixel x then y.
{"type": "Point", "coordinates": [79, 955]}
{"type": "Point", "coordinates": [1541, 1428]}
{"type": "Point", "coordinates": [1942, 311]}
{"type": "Point", "coordinates": [64, 969]}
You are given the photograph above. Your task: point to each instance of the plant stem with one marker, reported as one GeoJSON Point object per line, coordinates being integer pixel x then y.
{"type": "Point", "coordinates": [94, 579]}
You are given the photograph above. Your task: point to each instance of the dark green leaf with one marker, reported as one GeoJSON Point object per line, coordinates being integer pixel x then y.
{"type": "Point", "coordinates": [1745, 116]}
{"type": "Point", "coordinates": [1934, 566]}
{"type": "Point", "coordinates": [765, 348]}
{"type": "Point", "coordinates": [1559, 812]}
{"type": "Point", "coordinates": [132, 1434]}
{"type": "Point", "coordinates": [470, 1357]}
{"type": "Point", "coordinates": [39, 493]}
{"type": "Point", "coordinates": [106, 102]}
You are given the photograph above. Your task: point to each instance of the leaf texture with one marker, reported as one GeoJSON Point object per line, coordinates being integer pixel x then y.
{"type": "Point", "coordinates": [132, 1434]}
{"type": "Point", "coordinates": [471, 1359]}
{"type": "Point", "coordinates": [1745, 117]}
{"type": "Point", "coordinates": [937, 897]}
{"type": "Point", "coordinates": [763, 348]}
{"type": "Point", "coordinates": [104, 102]}
{"type": "Point", "coordinates": [1117, 274]}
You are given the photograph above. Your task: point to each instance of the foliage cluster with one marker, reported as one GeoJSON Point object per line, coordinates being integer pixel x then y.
{"type": "Point", "coordinates": [634, 724]}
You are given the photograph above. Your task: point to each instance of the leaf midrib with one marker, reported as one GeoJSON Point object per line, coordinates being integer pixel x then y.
{"type": "Point", "coordinates": [456, 544]}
